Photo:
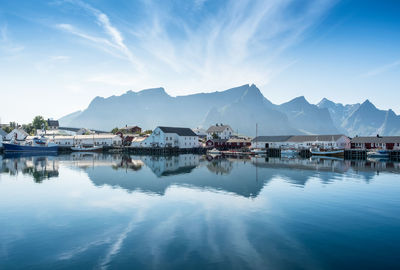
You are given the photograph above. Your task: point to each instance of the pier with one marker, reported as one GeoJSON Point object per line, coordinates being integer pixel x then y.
{"type": "Point", "coordinates": [163, 150]}
{"type": "Point", "coordinates": [273, 152]}
{"type": "Point", "coordinates": [394, 155]}
{"type": "Point", "coordinates": [357, 154]}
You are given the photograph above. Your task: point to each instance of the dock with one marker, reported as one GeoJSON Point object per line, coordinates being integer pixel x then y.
{"type": "Point", "coordinates": [355, 154]}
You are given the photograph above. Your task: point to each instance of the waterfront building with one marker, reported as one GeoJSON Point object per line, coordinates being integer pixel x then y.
{"type": "Point", "coordinates": [93, 139]}
{"type": "Point", "coordinates": [217, 143]}
{"type": "Point", "coordinates": [170, 137]}
{"type": "Point", "coordinates": [222, 131]}
{"type": "Point", "coordinates": [131, 129]}
{"type": "Point", "coordinates": [52, 124]}
{"type": "Point", "coordinates": [376, 142]}
{"type": "Point", "coordinates": [238, 143]}
{"type": "Point", "coordinates": [302, 141]}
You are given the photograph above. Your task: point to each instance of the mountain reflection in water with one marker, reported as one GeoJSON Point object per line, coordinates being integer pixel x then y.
{"type": "Point", "coordinates": [99, 211]}
{"type": "Point", "coordinates": [119, 170]}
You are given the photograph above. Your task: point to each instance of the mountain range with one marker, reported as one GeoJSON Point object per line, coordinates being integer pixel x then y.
{"type": "Point", "coordinates": [240, 107]}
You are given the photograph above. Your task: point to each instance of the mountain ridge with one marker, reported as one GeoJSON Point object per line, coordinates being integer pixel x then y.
{"type": "Point", "coordinates": [241, 107]}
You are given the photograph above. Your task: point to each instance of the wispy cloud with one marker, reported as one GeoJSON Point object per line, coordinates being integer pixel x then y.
{"type": "Point", "coordinates": [50, 63]}
{"type": "Point", "coordinates": [237, 43]}
{"type": "Point", "coordinates": [6, 44]}
{"type": "Point", "coordinates": [381, 69]}
{"type": "Point", "coordinates": [113, 43]}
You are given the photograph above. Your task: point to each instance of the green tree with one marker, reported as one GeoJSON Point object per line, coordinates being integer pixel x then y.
{"type": "Point", "coordinates": [7, 129]}
{"type": "Point", "coordinates": [29, 129]}
{"type": "Point", "coordinates": [215, 136]}
{"type": "Point", "coordinates": [13, 125]}
{"type": "Point", "coordinates": [38, 121]}
{"type": "Point", "coordinates": [114, 130]}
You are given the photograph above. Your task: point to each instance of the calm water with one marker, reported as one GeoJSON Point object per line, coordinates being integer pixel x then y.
{"type": "Point", "coordinates": [93, 211]}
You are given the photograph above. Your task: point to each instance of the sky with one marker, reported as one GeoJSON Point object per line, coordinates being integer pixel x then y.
{"type": "Point", "coordinates": [56, 56]}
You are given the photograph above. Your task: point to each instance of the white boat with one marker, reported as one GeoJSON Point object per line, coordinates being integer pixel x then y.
{"type": "Point", "coordinates": [214, 151]}
{"type": "Point", "coordinates": [378, 154]}
{"type": "Point", "coordinates": [327, 152]}
{"type": "Point", "coordinates": [288, 152]}
{"type": "Point", "coordinates": [87, 148]}
{"type": "Point", "coordinates": [258, 151]}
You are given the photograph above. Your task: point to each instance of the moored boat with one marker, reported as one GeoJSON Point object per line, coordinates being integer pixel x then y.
{"type": "Point", "coordinates": [87, 148]}
{"type": "Point", "coordinates": [258, 151]}
{"type": "Point", "coordinates": [288, 152]}
{"type": "Point", "coordinates": [327, 152]}
{"type": "Point", "coordinates": [378, 154]}
{"type": "Point", "coordinates": [41, 144]}
{"type": "Point", "coordinates": [214, 151]}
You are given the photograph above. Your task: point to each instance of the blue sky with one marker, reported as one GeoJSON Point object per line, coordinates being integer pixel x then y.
{"type": "Point", "coordinates": [56, 56]}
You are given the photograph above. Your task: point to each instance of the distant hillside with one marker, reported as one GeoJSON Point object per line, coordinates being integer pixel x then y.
{"type": "Point", "coordinates": [362, 119]}
{"type": "Point", "coordinates": [241, 107]}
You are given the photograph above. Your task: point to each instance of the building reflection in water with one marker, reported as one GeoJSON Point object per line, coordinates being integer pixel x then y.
{"type": "Point", "coordinates": [39, 167]}
{"type": "Point", "coordinates": [245, 176]}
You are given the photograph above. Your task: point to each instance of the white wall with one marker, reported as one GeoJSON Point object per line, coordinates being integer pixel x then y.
{"type": "Point", "coordinates": [97, 140]}
{"type": "Point", "coordinates": [225, 134]}
{"type": "Point", "coordinates": [342, 142]}
{"type": "Point", "coordinates": [160, 139]}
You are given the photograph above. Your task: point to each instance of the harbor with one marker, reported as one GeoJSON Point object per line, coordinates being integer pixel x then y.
{"type": "Point", "coordinates": [219, 139]}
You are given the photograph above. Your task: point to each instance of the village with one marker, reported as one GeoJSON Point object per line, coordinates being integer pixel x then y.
{"type": "Point", "coordinates": [217, 139]}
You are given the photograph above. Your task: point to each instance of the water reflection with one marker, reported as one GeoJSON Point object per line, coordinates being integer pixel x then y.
{"type": "Point", "coordinates": [118, 170]}
{"type": "Point", "coordinates": [39, 167]}
{"type": "Point", "coordinates": [194, 212]}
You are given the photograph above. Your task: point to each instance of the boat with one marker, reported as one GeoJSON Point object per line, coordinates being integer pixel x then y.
{"type": "Point", "coordinates": [214, 151]}
{"type": "Point", "coordinates": [288, 152]}
{"type": "Point", "coordinates": [258, 151]}
{"type": "Point", "coordinates": [38, 144]}
{"type": "Point", "coordinates": [87, 148]}
{"type": "Point", "coordinates": [378, 154]}
{"type": "Point", "coordinates": [327, 152]}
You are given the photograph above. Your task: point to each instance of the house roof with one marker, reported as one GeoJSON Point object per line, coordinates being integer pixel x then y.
{"type": "Point", "coordinates": [178, 130]}
{"type": "Point", "coordinates": [314, 138]}
{"type": "Point", "coordinates": [384, 139]}
{"type": "Point", "coordinates": [82, 137]}
{"type": "Point", "coordinates": [218, 140]}
{"type": "Point", "coordinates": [52, 123]}
{"type": "Point", "coordinates": [238, 140]}
{"type": "Point", "coordinates": [299, 138]}
{"type": "Point", "coordinates": [271, 139]}
{"type": "Point", "coordinates": [131, 127]}
{"type": "Point", "coordinates": [218, 128]}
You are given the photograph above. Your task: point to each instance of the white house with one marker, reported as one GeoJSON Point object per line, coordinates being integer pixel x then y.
{"type": "Point", "coordinates": [94, 139]}
{"type": "Point", "coordinates": [18, 134]}
{"type": "Point", "coordinates": [170, 137]}
{"type": "Point", "coordinates": [222, 131]}
{"type": "Point", "coordinates": [302, 141]}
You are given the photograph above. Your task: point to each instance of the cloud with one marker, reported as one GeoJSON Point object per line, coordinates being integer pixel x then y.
{"type": "Point", "coordinates": [6, 44]}
{"type": "Point", "coordinates": [114, 43]}
{"type": "Point", "coordinates": [381, 69]}
{"type": "Point", "coordinates": [237, 42]}
{"type": "Point", "coordinates": [51, 63]}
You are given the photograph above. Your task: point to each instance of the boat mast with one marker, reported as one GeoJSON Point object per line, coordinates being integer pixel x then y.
{"type": "Point", "coordinates": [256, 135]}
